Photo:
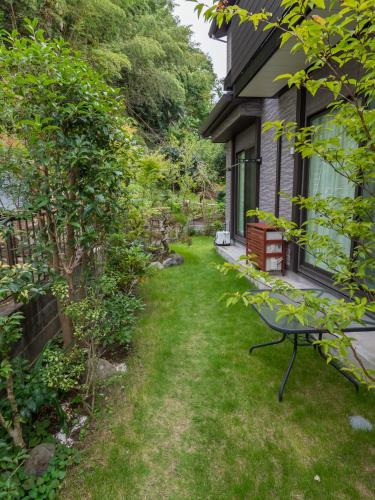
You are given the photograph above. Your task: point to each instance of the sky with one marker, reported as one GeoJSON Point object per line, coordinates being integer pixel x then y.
{"type": "Point", "coordinates": [215, 49]}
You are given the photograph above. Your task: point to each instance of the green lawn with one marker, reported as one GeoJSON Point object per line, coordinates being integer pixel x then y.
{"type": "Point", "coordinates": [199, 417]}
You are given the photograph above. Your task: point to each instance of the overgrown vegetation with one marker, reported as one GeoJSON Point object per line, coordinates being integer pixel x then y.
{"type": "Point", "coordinates": [140, 48]}
{"type": "Point", "coordinates": [78, 169]}
{"type": "Point", "coordinates": [339, 233]}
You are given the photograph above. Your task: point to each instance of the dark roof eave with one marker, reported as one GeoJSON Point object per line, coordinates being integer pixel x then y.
{"type": "Point", "coordinates": [216, 113]}
{"type": "Point", "coordinates": [216, 31]}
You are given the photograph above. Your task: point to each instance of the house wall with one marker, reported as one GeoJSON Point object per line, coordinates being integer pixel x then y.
{"type": "Point", "coordinates": [282, 108]}
{"type": "Point", "coordinates": [245, 139]}
{"type": "Point", "coordinates": [288, 110]}
{"type": "Point", "coordinates": [268, 153]}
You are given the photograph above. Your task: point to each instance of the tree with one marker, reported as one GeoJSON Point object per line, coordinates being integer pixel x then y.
{"type": "Point", "coordinates": [342, 33]}
{"type": "Point", "coordinates": [65, 129]}
{"type": "Point", "coordinates": [138, 46]}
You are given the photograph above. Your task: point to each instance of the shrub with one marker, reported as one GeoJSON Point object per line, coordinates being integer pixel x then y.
{"type": "Point", "coordinates": [61, 370]}
{"type": "Point", "coordinates": [128, 262]}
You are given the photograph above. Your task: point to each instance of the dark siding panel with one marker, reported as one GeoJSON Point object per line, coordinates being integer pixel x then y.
{"type": "Point", "coordinates": [245, 40]}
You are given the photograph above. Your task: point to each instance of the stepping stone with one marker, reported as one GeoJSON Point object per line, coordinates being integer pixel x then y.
{"type": "Point", "coordinates": [359, 423]}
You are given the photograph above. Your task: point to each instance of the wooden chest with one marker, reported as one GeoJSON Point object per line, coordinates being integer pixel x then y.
{"type": "Point", "coordinates": [266, 245]}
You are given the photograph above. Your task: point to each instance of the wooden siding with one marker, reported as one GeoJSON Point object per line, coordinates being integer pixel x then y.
{"type": "Point", "coordinates": [244, 39]}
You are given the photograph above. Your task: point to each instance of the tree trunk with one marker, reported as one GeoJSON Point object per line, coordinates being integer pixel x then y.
{"type": "Point", "coordinates": [16, 432]}
{"type": "Point", "coordinates": [66, 326]}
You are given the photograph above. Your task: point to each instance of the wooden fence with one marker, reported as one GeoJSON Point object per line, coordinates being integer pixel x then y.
{"type": "Point", "coordinates": [18, 243]}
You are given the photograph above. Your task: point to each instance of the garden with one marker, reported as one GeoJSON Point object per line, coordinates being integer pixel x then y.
{"type": "Point", "coordinates": [89, 205]}
{"type": "Point", "coordinates": [123, 374]}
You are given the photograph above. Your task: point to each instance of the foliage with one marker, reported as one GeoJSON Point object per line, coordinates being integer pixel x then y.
{"type": "Point", "coordinates": [103, 322]}
{"type": "Point", "coordinates": [341, 34]}
{"type": "Point", "coordinates": [61, 370]}
{"type": "Point", "coordinates": [105, 317]}
{"type": "Point", "coordinates": [196, 156]}
{"type": "Point", "coordinates": [17, 484]}
{"type": "Point", "coordinates": [16, 282]}
{"type": "Point", "coordinates": [127, 261]}
{"type": "Point", "coordinates": [139, 46]}
{"type": "Point", "coordinates": [74, 142]}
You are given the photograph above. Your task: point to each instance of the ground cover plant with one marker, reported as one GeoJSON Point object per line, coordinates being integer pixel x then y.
{"type": "Point", "coordinates": [338, 235]}
{"type": "Point", "coordinates": [199, 418]}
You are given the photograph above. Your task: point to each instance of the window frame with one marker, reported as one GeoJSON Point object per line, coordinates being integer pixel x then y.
{"type": "Point", "coordinates": [320, 275]}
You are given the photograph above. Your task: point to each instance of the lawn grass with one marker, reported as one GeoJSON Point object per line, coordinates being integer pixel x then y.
{"type": "Point", "coordinates": [200, 417]}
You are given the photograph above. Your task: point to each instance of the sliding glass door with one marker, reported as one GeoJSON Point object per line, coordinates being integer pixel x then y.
{"type": "Point", "coordinates": [245, 189]}
{"type": "Point", "coordinates": [324, 180]}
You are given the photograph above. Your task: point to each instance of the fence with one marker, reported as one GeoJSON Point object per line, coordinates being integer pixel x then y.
{"type": "Point", "coordinates": [18, 242]}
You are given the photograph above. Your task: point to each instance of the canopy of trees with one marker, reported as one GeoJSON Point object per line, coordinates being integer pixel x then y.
{"type": "Point", "coordinates": [139, 46]}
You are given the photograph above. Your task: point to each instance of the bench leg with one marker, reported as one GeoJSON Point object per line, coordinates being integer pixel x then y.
{"type": "Point", "coordinates": [289, 369]}
{"type": "Point", "coordinates": [265, 344]}
{"type": "Point", "coordinates": [337, 367]}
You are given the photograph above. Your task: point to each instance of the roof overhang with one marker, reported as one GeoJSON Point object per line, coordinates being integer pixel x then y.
{"type": "Point", "coordinates": [218, 32]}
{"type": "Point", "coordinates": [229, 116]}
{"type": "Point", "coordinates": [259, 80]}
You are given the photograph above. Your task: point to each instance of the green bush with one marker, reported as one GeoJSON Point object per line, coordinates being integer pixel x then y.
{"type": "Point", "coordinates": [61, 370]}
{"type": "Point", "coordinates": [105, 318]}
{"type": "Point", "coordinates": [128, 261]}
{"type": "Point", "coordinates": [15, 483]}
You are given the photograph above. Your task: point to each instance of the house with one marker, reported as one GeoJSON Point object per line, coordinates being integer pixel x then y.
{"type": "Point", "coordinates": [258, 167]}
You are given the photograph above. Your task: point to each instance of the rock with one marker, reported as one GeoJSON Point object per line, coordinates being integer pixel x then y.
{"type": "Point", "coordinates": [169, 262]}
{"type": "Point", "coordinates": [39, 459]}
{"type": "Point", "coordinates": [173, 260]}
{"type": "Point", "coordinates": [121, 367]}
{"type": "Point", "coordinates": [156, 265]}
{"type": "Point", "coordinates": [104, 369]}
{"type": "Point", "coordinates": [177, 258]}
{"type": "Point", "coordinates": [359, 423]}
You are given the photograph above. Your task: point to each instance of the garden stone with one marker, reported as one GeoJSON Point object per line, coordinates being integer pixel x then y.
{"type": "Point", "coordinates": [169, 262]}
{"type": "Point", "coordinates": [359, 423]}
{"type": "Point", "coordinates": [39, 459]}
{"type": "Point", "coordinates": [157, 265]}
{"type": "Point", "coordinates": [178, 259]}
{"type": "Point", "coordinates": [104, 369]}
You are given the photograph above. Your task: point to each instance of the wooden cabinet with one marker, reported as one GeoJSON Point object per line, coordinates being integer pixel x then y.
{"type": "Point", "coordinates": [266, 245]}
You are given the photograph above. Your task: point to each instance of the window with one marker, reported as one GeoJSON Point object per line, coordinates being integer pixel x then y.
{"type": "Point", "coordinates": [322, 179]}
{"type": "Point", "coordinates": [245, 189]}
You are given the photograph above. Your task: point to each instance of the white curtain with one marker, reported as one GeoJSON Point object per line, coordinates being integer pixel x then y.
{"type": "Point", "coordinates": [325, 181]}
